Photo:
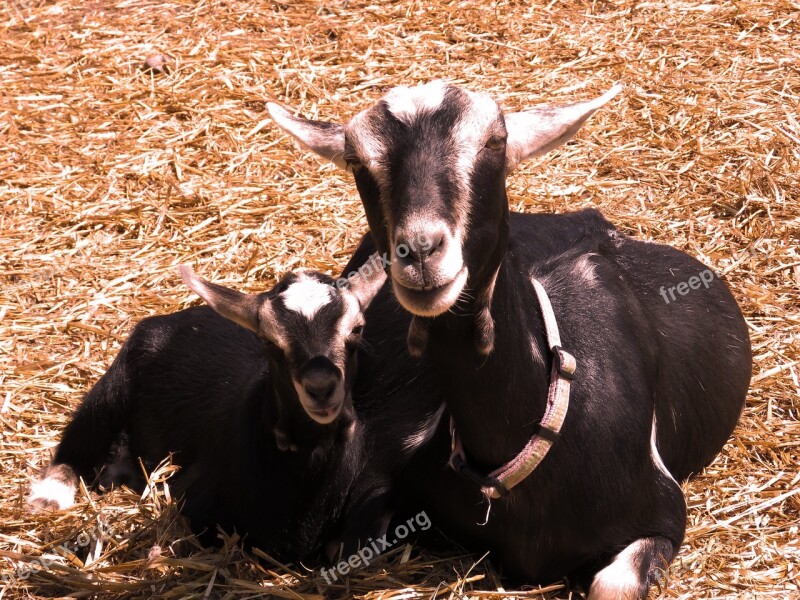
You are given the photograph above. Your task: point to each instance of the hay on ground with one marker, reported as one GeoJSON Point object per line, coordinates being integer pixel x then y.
{"type": "Point", "coordinates": [110, 176]}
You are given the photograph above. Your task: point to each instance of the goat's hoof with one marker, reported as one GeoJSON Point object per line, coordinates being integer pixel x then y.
{"type": "Point", "coordinates": [55, 490]}
{"type": "Point", "coordinates": [333, 551]}
{"type": "Point", "coordinates": [284, 441]}
{"type": "Point", "coordinates": [42, 504]}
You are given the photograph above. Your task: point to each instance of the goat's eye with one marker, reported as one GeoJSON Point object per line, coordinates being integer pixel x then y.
{"type": "Point", "coordinates": [496, 142]}
{"type": "Point", "coordinates": [354, 339]}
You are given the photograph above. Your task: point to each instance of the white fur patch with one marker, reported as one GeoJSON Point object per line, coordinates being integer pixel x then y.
{"type": "Point", "coordinates": [352, 316]}
{"type": "Point", "coordinates": [619, 580]}
{"type": "Point", "coordinates": [583, 269]}
{"type": "Point", "coordinates": [404, 102]}
{"type": "Point", "coordinates": [415, 440]}
{"type": "Point", "coordinates": [654, 455]}
{"type": "Point", "coordinates": [53, 490]}
{"type": "Point", "coordinates": [306, 296]}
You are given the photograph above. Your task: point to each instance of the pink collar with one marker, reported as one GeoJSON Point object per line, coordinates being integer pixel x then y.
{"type": "Point", "coordinates": [500, 481]}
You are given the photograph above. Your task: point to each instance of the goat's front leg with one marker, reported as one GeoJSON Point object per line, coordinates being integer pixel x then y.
{"type": "Point", "coordinates": [55, 489]}
{"type": "Point", "coordinates": [645, 561]}
{"type": "Point", "coordinates": [633, 571]}
{"type": "Point", "coordinates": [366, 522]}
{"type": "Point", "coordinates": [283, 438]}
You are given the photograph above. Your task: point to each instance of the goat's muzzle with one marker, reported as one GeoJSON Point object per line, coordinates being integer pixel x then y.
{"type": "Point", "coordinates": [320, 387]}
{"type": "Point", "coordinates": [427, 270]}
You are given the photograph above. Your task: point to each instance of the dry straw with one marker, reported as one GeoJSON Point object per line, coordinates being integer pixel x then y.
{"type": "Point", "coordinates": [110, 177]}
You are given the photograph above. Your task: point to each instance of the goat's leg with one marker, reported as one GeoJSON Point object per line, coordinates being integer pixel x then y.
{"type": "Point", "coordinates": [86, 441]}
{"type": "Point", "coordinates": [365, 521]}
{"type": "Point", "coordinates": [633, 571]}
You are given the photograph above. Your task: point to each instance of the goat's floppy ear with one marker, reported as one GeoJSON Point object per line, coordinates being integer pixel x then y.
{"type": "Point", "coordinates": [325, 139]}
{"type": "Point", "coordinates": [236, 306]}
{"type": "Point", "coordinates": [368, 281]}
{"type": "Point", "coordinates": [537, 131]}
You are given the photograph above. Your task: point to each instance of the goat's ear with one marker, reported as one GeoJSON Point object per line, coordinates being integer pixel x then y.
{"type": "Point", "coordinates": [537, 131]}
{"type": "Point", "coordinates": [325, 139]}
{"type": "Point", "coordinates": [368, 282]}
{"type": "Point", "coordinates": [236, 306]}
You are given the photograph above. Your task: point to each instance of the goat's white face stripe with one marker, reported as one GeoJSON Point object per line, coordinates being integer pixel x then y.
{"type": "Point", "coordinates": [306, 296]}
{"type": "Point", "coordinates": [350, 319]}
{"type": "Point", "coordinates": [404, 102]}
{"type": "Point", "coordinates": [472, 132]}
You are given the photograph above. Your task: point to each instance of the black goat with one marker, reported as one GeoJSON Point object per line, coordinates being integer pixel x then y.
{"type": "Point", "coordinates": [658, 387]}
{"type": "Point", "coordinates": [228, 392]}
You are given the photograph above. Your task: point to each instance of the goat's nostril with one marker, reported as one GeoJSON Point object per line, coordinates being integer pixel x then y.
{"type": "Point", "coordinates": [320, 389]}
{"type": "Point", "coordinates": [420, 247]}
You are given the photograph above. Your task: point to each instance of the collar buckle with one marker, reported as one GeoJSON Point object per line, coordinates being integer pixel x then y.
{"type": "Point", "coordinates": [461, 466]}
{"type": "Point", "coordinates": [563, 363]}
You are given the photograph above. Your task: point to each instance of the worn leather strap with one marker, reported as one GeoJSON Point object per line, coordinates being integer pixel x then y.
{"type": "Point", "coordinates": [535, 451]}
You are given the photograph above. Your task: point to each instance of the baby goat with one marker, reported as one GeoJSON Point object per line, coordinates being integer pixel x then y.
{"type": "Point", "coordinates": [226, 391]}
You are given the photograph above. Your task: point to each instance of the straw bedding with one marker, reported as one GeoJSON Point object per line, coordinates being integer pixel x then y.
{"type": "Point", "coordinates": [111, 176]}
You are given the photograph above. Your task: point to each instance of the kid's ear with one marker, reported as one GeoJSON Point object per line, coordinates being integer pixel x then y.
{"type": "Point", "coordinates": [236, 306]}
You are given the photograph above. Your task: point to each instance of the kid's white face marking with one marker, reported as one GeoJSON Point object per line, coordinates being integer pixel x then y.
{"type": "Point", "coordinates": [306, 296]}
{"type": "Point", "coordinates": [53, 490]}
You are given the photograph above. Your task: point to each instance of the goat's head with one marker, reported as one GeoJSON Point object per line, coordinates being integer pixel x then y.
{"type": "Point", "coordinates": [311, 328]}
{"type": "Point", "coordinates": [430, 164]}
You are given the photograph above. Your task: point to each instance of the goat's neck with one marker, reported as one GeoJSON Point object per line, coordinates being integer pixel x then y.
{"type": "Point", "coordinates": [495, 400]}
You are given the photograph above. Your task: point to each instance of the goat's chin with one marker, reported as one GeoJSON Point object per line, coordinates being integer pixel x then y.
{"type": "Point", "coordinates": [432, 302]}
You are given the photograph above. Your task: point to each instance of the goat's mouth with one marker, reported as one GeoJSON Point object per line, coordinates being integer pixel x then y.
{"type": "Point", "coordinates": [324, 416]}
{"type": "Point", "coordinates": [433, 300]}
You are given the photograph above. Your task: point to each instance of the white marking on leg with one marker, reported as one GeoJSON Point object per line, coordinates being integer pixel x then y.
{"type": "Point", "coordinates": [654, 455]}
{"type": "Point", "coordinates": [620, 579]}
{"type": "Point", "coordinates": [52, 490]}
{"type": "Point", "coordinates": [306, 296]}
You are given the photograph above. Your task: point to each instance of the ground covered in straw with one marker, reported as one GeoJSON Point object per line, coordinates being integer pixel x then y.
{"type": "Point", "coordinates": [110, 177]}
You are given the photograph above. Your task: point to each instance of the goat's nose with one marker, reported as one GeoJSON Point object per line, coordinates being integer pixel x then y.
{"type": "Point", "coordinates": [422, 246]}
{"type": "Point", "coordinates": [320, 386]}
